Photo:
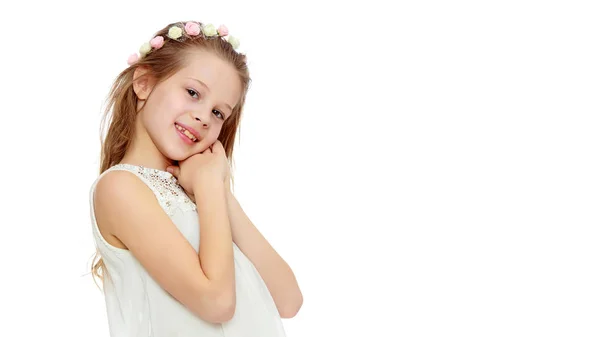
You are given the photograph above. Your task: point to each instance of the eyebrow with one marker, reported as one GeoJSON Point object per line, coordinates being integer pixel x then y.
{"type": "Point", "coordinates": [208, 89]}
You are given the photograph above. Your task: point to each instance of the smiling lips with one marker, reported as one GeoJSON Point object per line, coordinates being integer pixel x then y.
{"type": "Point", "coordinates": [186, 132]}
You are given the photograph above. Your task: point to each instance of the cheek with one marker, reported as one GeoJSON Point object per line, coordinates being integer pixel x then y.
{"type": "Point", "coordinates": [153, 121]}
{"type": "Point", "coordinates": [214, 134]}
{"type": "Point", "coordinates": [169, 108]}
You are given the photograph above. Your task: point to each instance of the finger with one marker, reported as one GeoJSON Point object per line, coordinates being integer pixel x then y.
{"type": "Point", "coordinates": [174, 170]}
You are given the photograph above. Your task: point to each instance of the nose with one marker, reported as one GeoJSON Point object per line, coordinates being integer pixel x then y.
{"type": "Point", "coordinates": [201, 117]}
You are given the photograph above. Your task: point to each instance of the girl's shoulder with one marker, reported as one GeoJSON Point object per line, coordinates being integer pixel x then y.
{"type": "Point", "coordinates": [163, 184]}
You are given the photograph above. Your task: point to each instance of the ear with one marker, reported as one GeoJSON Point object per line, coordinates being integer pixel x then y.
{"type": "Point", "coordinates": [142, 82]}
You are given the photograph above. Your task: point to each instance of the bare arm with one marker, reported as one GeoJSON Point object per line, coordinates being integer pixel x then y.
{"type": "Point", "coordinates": [128, 210]}
{"type": "Point", "coordinates": [216, 248]}
{"type": "Point", "coordinates": [276, 273]}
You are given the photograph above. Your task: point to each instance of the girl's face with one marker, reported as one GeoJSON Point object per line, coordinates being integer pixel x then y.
{"type": "Point", "coordinates": [184, 115]}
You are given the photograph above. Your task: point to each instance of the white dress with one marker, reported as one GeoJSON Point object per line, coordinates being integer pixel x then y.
{"type": "Point", "coordinates": [137, 306]}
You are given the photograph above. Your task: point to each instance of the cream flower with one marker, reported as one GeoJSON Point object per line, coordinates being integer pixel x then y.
{"type": "Point", "coordinates": [235, 43]}
{"type": "Point", "coordinates": [175, 32]}
{"type": "Point", "coordinates": [145, 48]}
{"type": "Point", "coordinates": [209, 30]}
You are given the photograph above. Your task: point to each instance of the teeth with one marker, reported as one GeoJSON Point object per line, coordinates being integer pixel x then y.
{"type": "Point", "coordinates": [186, 132]}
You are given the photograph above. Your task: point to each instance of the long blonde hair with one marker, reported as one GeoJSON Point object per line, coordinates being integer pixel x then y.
{"type": "Point", "coordinates": [161, 64]}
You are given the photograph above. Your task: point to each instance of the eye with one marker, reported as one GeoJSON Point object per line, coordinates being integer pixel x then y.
{"type": "Point", "coordinates": [220, 115]}
{"type": "Point", "coordinates": [192, 92]}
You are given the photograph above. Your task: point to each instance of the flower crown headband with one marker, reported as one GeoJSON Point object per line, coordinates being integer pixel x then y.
{"type": "Point", "coordinates": [176, 33]}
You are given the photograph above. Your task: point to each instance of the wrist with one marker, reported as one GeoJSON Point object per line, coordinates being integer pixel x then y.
{"type": "Point", "coordinates": [206, 182]}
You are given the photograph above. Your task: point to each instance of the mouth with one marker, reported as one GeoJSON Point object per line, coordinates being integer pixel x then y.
{"type": "Point", "coordinates": [186, 132]}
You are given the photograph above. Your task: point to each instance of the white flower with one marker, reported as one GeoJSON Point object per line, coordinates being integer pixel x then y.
{"type": "Point", "coordinates": [209, 30]}
{"type": "Point", "coordinates": [175, 32]}
{"type": "Point", "coordinates": [235, 43]}
{"type": "Point", "coordinates": [145, 49]}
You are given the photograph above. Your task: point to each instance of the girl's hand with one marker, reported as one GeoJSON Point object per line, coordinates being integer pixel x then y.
{"type": "Point", "coordinates": [203, 168]}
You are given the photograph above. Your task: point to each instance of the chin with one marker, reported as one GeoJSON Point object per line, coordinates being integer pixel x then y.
{"type": "Point", "coordinates": [175, 153]}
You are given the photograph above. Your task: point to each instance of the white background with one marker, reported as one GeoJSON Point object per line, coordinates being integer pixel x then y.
{"type": "Point", "coordinates": [426, 168]}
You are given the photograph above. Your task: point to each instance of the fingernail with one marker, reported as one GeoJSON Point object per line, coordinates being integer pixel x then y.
{"type": "Point", "coordinates": [170, 170]}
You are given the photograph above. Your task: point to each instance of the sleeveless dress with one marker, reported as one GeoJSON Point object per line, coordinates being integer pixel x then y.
{"type": "Point", "coordinates": [138, 307]}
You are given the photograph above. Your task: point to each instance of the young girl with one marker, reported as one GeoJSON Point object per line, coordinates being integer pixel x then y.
{"type": "Point", "coordinates": [177, 254]}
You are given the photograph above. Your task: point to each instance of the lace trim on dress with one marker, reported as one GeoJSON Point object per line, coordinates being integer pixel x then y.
{"type": "Point", "coordinates": [169, 193]}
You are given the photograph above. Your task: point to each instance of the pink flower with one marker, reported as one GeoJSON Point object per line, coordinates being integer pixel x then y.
{"type": "Point", "coordinates": [133, 58]}
{"type": "Point", "coordinates": [223, 31]}
{"type": "Point", "coordinates": [192, 28]}
{"type": "Point", "coordinates": [157, 42]}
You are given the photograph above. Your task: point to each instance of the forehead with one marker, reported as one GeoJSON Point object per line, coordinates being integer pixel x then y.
{"type": "Point", "coordinates": [218, 74]}
{"type": "Point", "coordinates": [204, 63]}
